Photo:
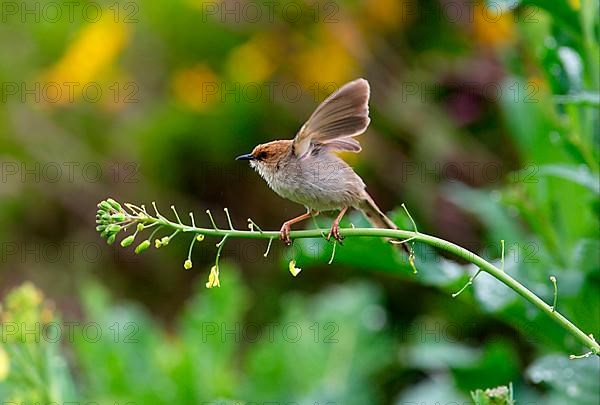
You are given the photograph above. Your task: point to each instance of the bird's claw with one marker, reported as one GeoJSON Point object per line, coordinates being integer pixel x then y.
{"type": "Point", "coordinates": [335, 232]}
{"type": "Point", "coordinates": [284, 234]}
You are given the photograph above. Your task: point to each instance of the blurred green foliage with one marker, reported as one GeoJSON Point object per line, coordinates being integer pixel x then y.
{"type": "Point", "coordinates": [488, 129]}
{"type": "Point", "coordinates": [337, 337]}
{"type": "Point", "coordinates": [494, 396]}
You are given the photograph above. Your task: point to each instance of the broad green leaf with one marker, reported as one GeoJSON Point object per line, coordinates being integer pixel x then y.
{"type": "Point", "coordinates": [570, 381]}
{"type": "Point", "coordinates": [576, 174]}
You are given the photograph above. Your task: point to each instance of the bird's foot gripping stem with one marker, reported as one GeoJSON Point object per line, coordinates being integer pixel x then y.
{"type": "Point", "coordinates": [284, 234]}
{"type": "Point", "coordinates": [335, 227]}
{"type": "Point", "coordinates": [335, 232]}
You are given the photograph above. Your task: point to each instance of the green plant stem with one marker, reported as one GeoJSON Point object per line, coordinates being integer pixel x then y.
{"type": "Point", "coordinates": [140, 216]}
{"type": "Point", "coordinates": [458, 251]}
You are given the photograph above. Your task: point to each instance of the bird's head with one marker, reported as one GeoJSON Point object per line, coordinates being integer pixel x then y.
{"type": "Point", "coordinates": [267, 156]}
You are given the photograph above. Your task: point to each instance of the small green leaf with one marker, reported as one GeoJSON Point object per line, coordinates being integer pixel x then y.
{"type": "Point", "coordinates": [114, 204]}
{"type": "Point", "coordinates": [580, 175]}
{"type": "Point", "coordinates": [104, 206]}
{"type": "Point", "coordinates": [142, 246]}
{"type": "Point", "coordinates": [127, 241]}
{"type": "Point", "coordinates": [118, 217]}
{"type": "Point", "coordinates": [114, 228]}
{"type": "Point", "coordinates": [111, 239]}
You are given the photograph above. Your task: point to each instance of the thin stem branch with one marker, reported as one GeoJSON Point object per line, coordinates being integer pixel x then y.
{"type": "Point", "coordinates": [268, 247]}
{"type": "Point", "coordinates": [252, 225]}
{"type": "Point", "coordinates": [176, 214]}
{"type": "Point", "coordinates": [228, 218]}
{"type": "Point", "coordinates": [212, 221]}
{"type": "Point", "coordinates": [482, 264]}
{"type": "Point", "coordinates": [553, 280]}
{"type": "Point", "coordinates": [332, 252]}
{"type": "Point", "coordinates": [191, 248]}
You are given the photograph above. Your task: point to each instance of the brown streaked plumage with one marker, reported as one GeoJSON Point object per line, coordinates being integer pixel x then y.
{"type": "Point", "coordinates": [306, 169]}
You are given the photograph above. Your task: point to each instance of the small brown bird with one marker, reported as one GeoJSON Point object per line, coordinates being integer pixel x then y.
{"type": "Point", "coordinates": [306, 169]}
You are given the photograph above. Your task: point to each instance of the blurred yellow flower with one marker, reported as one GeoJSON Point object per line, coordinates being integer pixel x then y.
{"type": "Point", "coordinates": [23, 306]}
{"type": "Point", "coordinates": [575, 4]}
{"type": "Point", "coordinates": [293, 269]}
{"type": "Point", "coordinates": [27, 296]}
{"type": "Point", "coordinates": [389, 14]}
{"type": "Point", "coordinates": [213, 278]}
{"type": "Point", "coordinates": [47, 314]}
{"type": "Point", "coordinates": [534, 89]}
{"type": "Point", "coordinates": [4, 364]}
{"type": "Point", "coordinates": [94, 49]}
{"type": "Point", "coordinates": [253, 61]}
{"type": "Point", "coordinates": [493, 26]}
{"type": "Point", "coordinates": [327, 61]}
{"type": "Point", "coordinates": [197, 87]}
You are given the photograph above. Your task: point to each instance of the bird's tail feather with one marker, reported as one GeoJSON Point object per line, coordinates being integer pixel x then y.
{"type": "Point", "coordinates": [377, 218]}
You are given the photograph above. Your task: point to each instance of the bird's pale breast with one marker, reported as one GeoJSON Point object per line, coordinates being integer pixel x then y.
{"type": "Point", "coordinates": [320, 182]}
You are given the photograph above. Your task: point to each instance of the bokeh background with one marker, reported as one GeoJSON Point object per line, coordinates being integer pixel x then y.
{"type": "Point", "coordinates": [485, 123]}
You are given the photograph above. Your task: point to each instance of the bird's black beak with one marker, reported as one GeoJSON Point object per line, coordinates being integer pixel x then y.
{"type": "Point", "coordinates": [247, 156]}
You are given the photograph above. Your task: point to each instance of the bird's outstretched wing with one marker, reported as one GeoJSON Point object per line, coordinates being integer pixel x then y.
{"type": "Point", "coordinates": [336, 120]}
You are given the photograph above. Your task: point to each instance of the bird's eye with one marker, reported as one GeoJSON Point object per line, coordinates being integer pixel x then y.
{"type": "Point", "coordinates": [262, 155]}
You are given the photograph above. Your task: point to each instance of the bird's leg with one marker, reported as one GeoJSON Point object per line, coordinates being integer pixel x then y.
{"type": "Point", "coordinates": [335, 226]}
{"type": "Point", "coordinates": [284, 233]}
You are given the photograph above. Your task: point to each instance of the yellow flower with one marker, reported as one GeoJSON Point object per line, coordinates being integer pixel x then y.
{"type": "Point", "coordinates": [188, 264]}
{"type": "Point", "coordinates": [47, 314]}
{"type": "Point", "coordinates": [26, 296]}
{"type": "Point", "coordinates": [253, 61]}
{"type": "Point", "coordinates": [388, 14]}
{"type": "Point", "coordinates": [197, 87]}
{"type": "Point", "coordinates": [4, 364]}
{"type": "Point", "coordinates": [493, 26]}
{"type": "Point", "coordinates": [321, 78]}
{"type": "Point", "coordinates": [94, 49]}
{"type": "Point", "coordinates": [293, 269]}
{"type": "Point", "coordinates": [213, 278]}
